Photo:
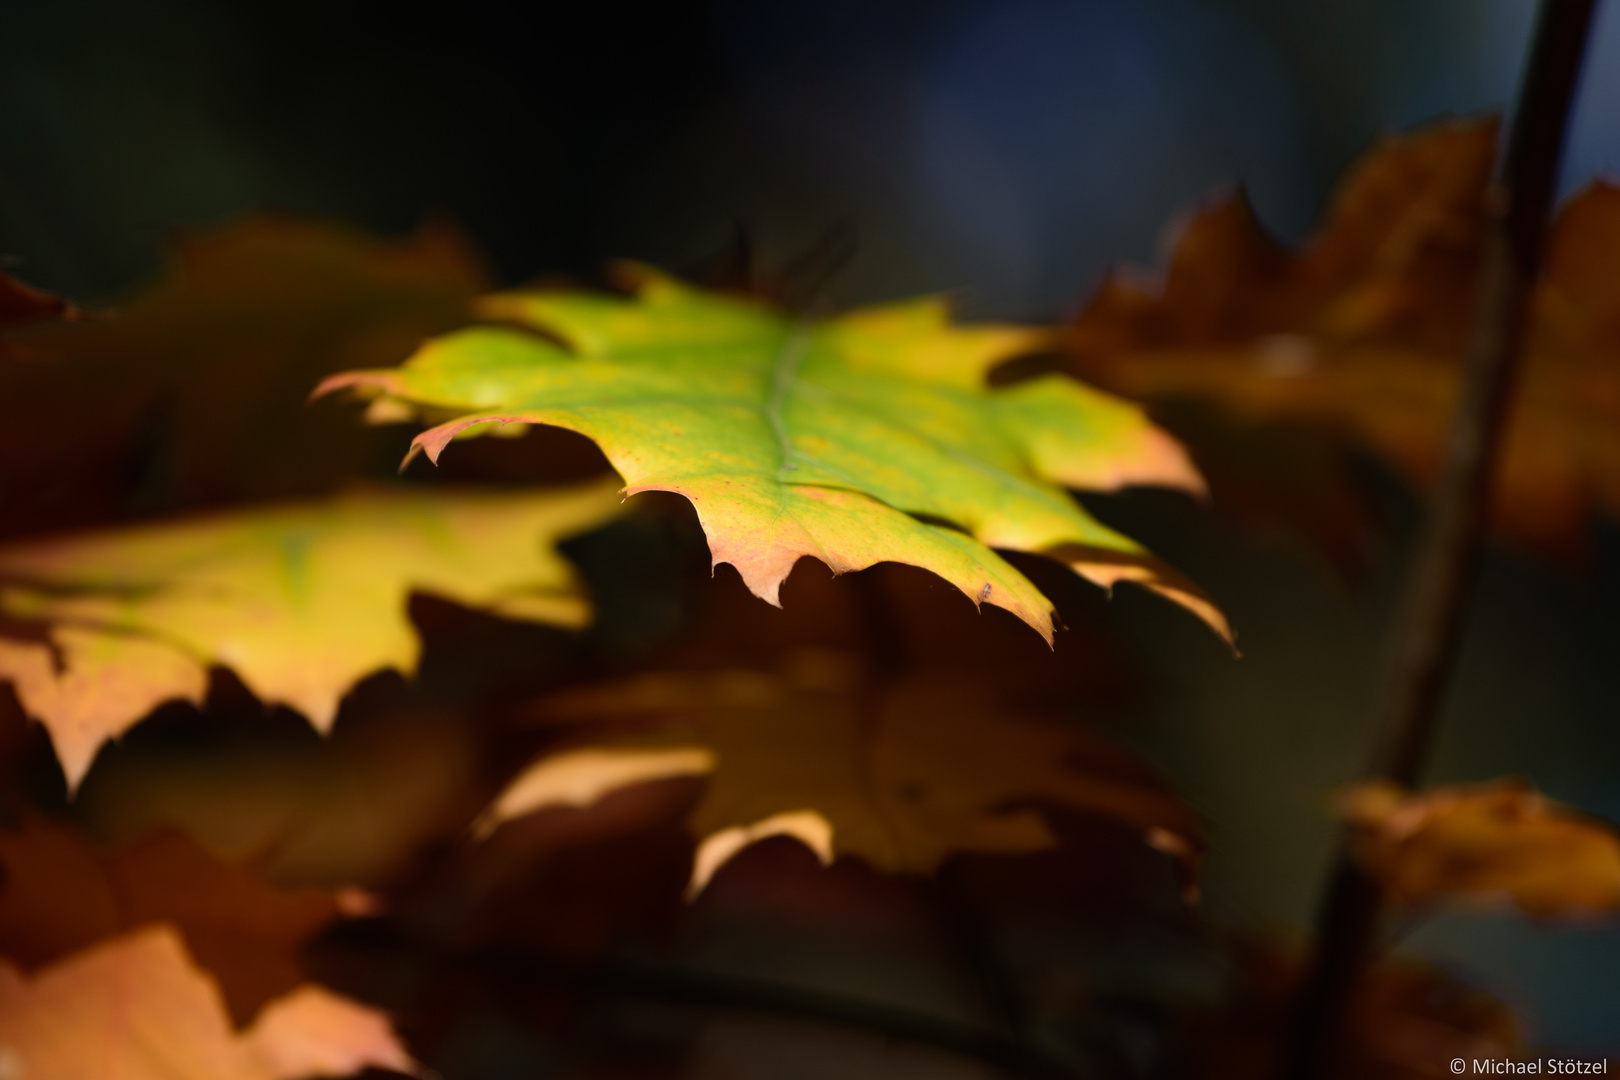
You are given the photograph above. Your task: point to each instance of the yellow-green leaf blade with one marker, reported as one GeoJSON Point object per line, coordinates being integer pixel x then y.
{"type": "Point", "coordinates": [827, 439]}
{"type": "Point", "coordinates": [299, 600]}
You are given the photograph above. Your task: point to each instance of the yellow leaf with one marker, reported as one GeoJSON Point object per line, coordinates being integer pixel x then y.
{"type": "Point", "coordinates": [901, 775]}
{"type": "Point", "coordinates": [299, 600]}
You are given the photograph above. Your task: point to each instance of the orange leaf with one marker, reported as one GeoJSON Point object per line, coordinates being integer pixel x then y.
{"type": "Point", "coordinates": [1363, 331]}
{"type": "Point", "coordinates": [1406, 1020]}
{"type": "Point", "coordinates": [1491, 842]}
{"type": "Point", "coordinates": [62, 893]}
{"type": "Point", "coordinates": [136, 1008]}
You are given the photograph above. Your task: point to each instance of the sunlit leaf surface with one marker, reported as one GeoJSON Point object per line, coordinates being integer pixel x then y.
{"type": "Point", "coordinates": [866, 438]}
{"type": "Point", "coordinates": [135, 1007]}
{"type": "Point", "coordinates": [299, 601]}
{"type": "Point", "coordinates": [1495, 842]}
{"type": "Point", "coordinates": [63, 892]}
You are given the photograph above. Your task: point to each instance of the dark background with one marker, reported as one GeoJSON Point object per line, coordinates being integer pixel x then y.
{"type": "Point", "coordinates": [1009, 150]}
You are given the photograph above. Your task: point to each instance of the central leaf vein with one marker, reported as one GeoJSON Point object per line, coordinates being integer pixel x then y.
{"type": "Point", "coordinates": [783, 370]}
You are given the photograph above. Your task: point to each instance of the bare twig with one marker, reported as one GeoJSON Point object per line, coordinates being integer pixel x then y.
{"type": "Point", "coordinates": [1435, 601]}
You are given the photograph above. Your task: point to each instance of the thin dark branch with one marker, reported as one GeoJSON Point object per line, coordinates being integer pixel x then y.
{"type": "Point", "coordinates": [710, 991]}
{"type": "Point", "coordinates": [1434, 605]}
{"type": "Point", "coordinates": [523, 970]}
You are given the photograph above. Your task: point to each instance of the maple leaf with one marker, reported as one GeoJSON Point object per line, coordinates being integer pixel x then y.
{"type": "Point", "coordinates": [299, 600]}
{"type": "Point", "coordinates": [1485, 843]}
{"type": "Point", "coordinates": [901, 775]}
{"type": "Point", "coordinates": [847, 439]}
{"type": "Point", "coordinates": [193, 393]}
{"type": "Point", "coordinates": [62, 893]}
{"type": "Point", "coordinates": [1364, 330]}
{"type": "Point", "coordinates": [135, 1007]}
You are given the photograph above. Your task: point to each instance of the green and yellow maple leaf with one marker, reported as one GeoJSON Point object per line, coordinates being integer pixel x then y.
{"type": "Point", "coordinates": [867, 438]}
{"type": "Point", "coordinates": [300, 600]}
{"type": "Point", "coordinates": [901, 774]}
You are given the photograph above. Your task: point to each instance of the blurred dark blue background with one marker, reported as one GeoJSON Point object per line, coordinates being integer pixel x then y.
{"type": "Point", "coordinates": [1007, 149]}
{"type": "Point", "coordinates": [1011, 149]}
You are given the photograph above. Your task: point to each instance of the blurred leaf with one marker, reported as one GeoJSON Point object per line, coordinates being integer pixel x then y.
{"type": "Point", "coordinates": [1282, 480]}
{"type": "Point", "coordinates": [62, 893]}
{"type": "Point", "coordinates": [1363, 331]}
{"type": "Point", "coordinates": [22, 304]}
{"type": "Point", "coordinates": [898, 616]}
{"type": "Point", "coordinates": [299, 600]}
{"type": "Point", "coordinates": [1492, 842]}
{"type": "Point", "coordinates": [194, 393]}
{"type": "Point", "coordinates": [570, 882]}
{"type": "Point", "coordinates": [901, 774]}
{"type": "Point", "coordinates": [135, 1007]}
{"type": "Point", "coordinates": [1406, 1021]}
{"type": "Point", "coordinates": [795, 438]}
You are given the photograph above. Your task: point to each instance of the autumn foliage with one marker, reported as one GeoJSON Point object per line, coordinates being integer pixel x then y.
{"type": "Point", "coordinates": [504, 729]}
{"type": "Point", "coordinates": [1361, 334]}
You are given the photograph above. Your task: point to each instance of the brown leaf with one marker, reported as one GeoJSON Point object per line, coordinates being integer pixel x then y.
{"type": "Point", "coordinates": [898, 617]}
{"type": "Point", "coordinates": [570, 882]}
{"type": "Point", "coordinates": [22, 304]}
{"type": "Point", "coordinates": [1406, 1020]}
{"type": "Point", "coordinates": [901, 773]}
{"type": "Point", "coordinates": [61, 893]}
{"type": "Point", "coordinates": [195, 392]}
{"type": "Point", "coordinates": [135, 1007]}
{"type": "Point", "coordinates": [1363, 330]}
{"type": "Point", "coordinates": [1493, 842]}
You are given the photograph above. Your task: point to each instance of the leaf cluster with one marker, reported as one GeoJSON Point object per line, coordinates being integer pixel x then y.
{"type": "Point", "coordinates": [411, 745]}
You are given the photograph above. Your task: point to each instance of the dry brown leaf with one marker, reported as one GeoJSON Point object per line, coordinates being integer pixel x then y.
{"type": "Point", "coordinates": [62, 893]}
{"type": "Point", "coordinates": [194, 392]}
{"type": "Point", "coordinates": [1406, 1021]}
{"type": "Point", "coordinates": [1494, 842]}
{"type": "Point", "coordinates": [135, 1007]}
{"type": "Point", "coordinates": [900, 774]}
{"type": "Point", "coordinates": [1363, 330]}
